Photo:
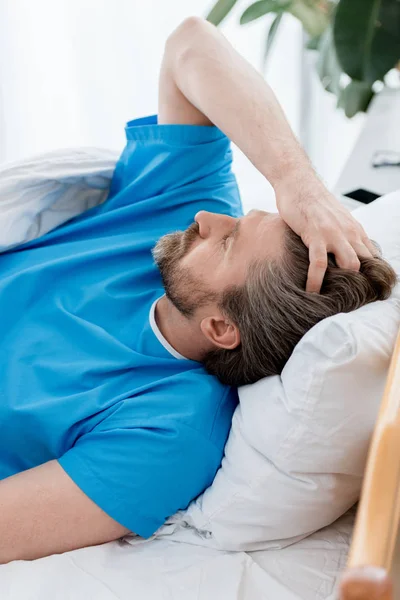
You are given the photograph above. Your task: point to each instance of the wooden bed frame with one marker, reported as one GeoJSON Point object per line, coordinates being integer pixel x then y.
{"type": "Point", "coordinates": [368, 575]}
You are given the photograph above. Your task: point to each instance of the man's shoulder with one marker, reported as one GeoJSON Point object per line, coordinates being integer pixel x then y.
{"type": "Point", "coordinates": [191, 403]}
{"type": "Point", "coordinates": [209, 404]}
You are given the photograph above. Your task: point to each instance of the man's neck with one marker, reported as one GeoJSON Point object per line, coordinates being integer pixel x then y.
{"type": "Point", "coordinates": [183, 335]}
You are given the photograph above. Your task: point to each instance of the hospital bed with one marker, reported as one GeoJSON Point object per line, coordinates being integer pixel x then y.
{"type": "Point", "coordinates": [169, 568]}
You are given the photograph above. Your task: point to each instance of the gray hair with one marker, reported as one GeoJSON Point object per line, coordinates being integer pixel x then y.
{"type": "Point", "coordinates": [273, 311]}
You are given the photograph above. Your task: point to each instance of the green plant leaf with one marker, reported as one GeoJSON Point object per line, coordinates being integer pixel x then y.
{"type": "Point", "coordinates": [271, 36]}
{"type": "Point", "coordinates": [367, 37]}
{"type": "Point", "coordinates": [355, 98]}
{"type": "Point", "coordinates": [261, 8]}
{"type": "Point", "coordinates": [385, 49]}
{"type": "Point", "coordinates": [311, 14]}
{"type": "Point", "coordinates": [220, 10]}
{"type": "Point", "coordinates": [328, 67]}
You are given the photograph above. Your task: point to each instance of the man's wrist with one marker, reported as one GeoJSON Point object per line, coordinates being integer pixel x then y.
{"type": "Point", "coordinates": [290, 168]}
{"type": "Point", "coordinates": [298, 183]}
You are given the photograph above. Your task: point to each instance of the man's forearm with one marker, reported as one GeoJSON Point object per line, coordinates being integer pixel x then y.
{"type": "Point", "coordinates": [232, 94]}
{"type": "Point", "coordinates": [206, 80]}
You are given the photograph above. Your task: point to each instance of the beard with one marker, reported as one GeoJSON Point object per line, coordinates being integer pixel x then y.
{"type": "Point", "coordinates": [182, 288]}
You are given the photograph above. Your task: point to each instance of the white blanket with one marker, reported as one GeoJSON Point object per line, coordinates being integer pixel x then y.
{"type": "Point", "coordinates": [162, 569]}
{"type": "Point", "coordinates": [41, 193]}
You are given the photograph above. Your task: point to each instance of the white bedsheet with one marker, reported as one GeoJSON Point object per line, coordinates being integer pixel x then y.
{"type": "Point", "coordinates": [162, 569]}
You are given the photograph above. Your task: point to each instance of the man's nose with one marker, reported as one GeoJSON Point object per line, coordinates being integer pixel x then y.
{"type": "Point", "coordinates": [209, 223]}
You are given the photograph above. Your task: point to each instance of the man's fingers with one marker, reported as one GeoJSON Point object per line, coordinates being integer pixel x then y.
{"type": "Point", "coordinates": [372, 247]}
{"type": "Point", "coordinates": [345, 256]}
{"type": "Point", "coordinates": [363, 251]}
{"type": "Point", "coordinates": [318, 263]}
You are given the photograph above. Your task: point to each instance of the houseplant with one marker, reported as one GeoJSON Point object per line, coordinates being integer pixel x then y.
{"type": "Point", "coordinates": [357, 41]}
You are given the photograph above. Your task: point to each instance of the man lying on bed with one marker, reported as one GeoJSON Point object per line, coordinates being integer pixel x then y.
{"type": "Point", "coordinates": [109, 420]}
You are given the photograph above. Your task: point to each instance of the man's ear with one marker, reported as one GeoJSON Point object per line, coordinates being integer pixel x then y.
{"type": "Point", "coordinates": [220, 332]}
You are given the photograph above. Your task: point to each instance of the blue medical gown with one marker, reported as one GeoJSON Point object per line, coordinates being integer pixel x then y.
{"type": "Point", "coordinates": [83, 377]}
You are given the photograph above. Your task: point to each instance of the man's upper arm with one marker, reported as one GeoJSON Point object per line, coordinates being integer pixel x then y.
{"type": "Point", "coordinates": [173, 106]}
{"type": "Point", "coordinates": [42, 512]}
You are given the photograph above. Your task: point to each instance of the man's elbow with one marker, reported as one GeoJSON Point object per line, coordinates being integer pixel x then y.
{"type": "Point", "coordinates": [188, 40]}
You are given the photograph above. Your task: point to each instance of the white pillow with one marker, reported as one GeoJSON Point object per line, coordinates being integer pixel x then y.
{"type": "Point", "coordinates": [38, 194]}
{"type": "Point", "coordinates": [296, 453]}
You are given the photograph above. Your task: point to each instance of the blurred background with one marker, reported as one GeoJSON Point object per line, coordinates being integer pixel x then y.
{"type": "Point", "coordinates": [72, 72]}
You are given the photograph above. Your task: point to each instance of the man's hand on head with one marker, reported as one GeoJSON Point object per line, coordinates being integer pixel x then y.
{"type": "Point", "coordinates": [205, 81]}
{"type": "Point", "coordinates": [324, 225]}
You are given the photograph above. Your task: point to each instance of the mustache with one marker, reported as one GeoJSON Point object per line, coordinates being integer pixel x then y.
{"type": "Point", "coordinates": [173, 246]}
{"type": "Point", "coordinates": [189, 235]}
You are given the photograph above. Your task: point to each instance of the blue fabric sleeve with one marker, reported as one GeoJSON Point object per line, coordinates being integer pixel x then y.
{"type": "Point", "coordinates": [182, 167]}
{"type": "Point", "coordinates": [140, 476]}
